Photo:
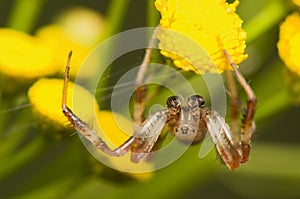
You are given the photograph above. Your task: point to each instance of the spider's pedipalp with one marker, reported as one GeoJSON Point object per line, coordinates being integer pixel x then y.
{"type": "Point", "coordinates": [146, 137]}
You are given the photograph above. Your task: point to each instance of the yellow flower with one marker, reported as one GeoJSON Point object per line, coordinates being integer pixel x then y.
{"type": "Point", "coordinates": [82, 25]}
{"type": "Point", "coordinates": [22, 55]}
{"type": "Point", "coordinates": [212, 24]}
{"type": "Point", "coordinates": [45, 95]}
{"type": "Point", "coordinates": [78, 30]}
{"type": "Point", "coordinates": [297, 2]}
{"type": "Point", "coordinates": [289, 42]}
{"type": "Point", "coordinates": [60, 44]}
{"type": "Point", "coordinates": [26, 56]}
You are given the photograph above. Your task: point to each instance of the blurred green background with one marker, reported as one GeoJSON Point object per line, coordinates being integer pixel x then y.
{"type": "Point", "coordinates": [33, 164]}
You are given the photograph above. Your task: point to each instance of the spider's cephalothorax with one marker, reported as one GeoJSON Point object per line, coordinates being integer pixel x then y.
{"type": "Point", "coordinates": [189, 119]}
{"type": "Point", "coordinates": [186, 120]}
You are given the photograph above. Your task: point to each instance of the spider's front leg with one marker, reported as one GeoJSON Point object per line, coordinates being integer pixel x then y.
{"type": "Point", "coordinates": [248, 124]}
{"type": "Point", "coordinates": [83, 128]}
{"type": "Point", "coordinates": [147, 136]}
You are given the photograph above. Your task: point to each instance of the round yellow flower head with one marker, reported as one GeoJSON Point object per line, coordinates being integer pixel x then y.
{"type": "Point", "coordinates": [212, 25]}
{"type": "Point", "coordinates": [45, 95]}
{"type": "Point", "coordinates": [289, 42]}
{"type": "Point", "coordinates": [24, 56]}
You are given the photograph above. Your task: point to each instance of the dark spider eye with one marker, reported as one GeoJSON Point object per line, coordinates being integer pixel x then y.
{"type": "Point", "coordinates": [196, 101]}
{"type": "Point", "coordinates": [174, 101]}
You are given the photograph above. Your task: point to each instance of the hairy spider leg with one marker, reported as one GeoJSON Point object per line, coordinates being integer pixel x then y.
{"type": "Point", "coordinates": [140, 143]}
{"type": "Point", "coordinates": [227, 145]}
{"type": "Point", "coordinates": [234, 104]}
{"type": "Point", "coordinates": [83, 127]}
{"type": "Point", "coordinates": [248, 124]}
{"type": "Point", "coordinates": [233, 145]}
{"type": "Point", "coordinates": [147, 137]}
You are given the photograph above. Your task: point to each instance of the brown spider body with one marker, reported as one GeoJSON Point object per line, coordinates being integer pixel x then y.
{"type": "Point", "coordinates": [186, 121]}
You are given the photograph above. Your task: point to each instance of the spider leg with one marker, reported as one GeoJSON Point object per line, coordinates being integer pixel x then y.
{"type": "Point", "coordinates": [141, 90]}
{"type": "Point", "coordinates": [248, 125]}
{"type": "Point", "coordinates": [83, 128]}
{"type": "Point", "coordinates": [145, 139]}
{"type": "Point", "coordinates": [227, 145]}
{"type": "Point", "coordinates": [234, 103]}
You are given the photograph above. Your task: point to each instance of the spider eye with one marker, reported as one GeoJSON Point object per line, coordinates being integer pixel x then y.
{"type": "Point", "coordinates": [174, 101]}
{"type": "Point", "coordinates": [196, 101]}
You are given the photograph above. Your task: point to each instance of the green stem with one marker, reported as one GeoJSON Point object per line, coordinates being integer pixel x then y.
{"type": "Point", "coordinates": [269, 16]}
{"type": "Point", "coordinates": [114, 19]}
{"type": "Point", "coordinates": [25, 14]}
{"type": "Point", "coordinates": [115, 16]}
{"type": "Point", "coordinates": [152, 14]}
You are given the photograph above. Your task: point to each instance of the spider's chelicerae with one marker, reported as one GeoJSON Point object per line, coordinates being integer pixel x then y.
{"type": "Point", "coordinates": [189, 119]}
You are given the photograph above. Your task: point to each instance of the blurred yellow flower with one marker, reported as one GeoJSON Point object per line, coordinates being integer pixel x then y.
{"type": "Point", "coordinates": [297, 2]}
{"type": "Point", "coordinates": [82, 25]}
{"type": "Point", "coordinates": [45, 95]}
{"type": "Point", "coordinates": [289, 42]}
{"type": "Point", "coordinates": [59, 43]}
{"type": "Point", "coordinates": [78, 30]}
{"type": "Point", "coordinates": [22, 55]}
{"type": "Point", "coordinates": [212, 24]}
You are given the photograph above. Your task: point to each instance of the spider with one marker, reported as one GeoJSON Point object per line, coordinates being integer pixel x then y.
{"type": "Point", "coordinates": [189, 119]}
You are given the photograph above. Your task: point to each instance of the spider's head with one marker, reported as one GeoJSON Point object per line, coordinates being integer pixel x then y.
{"type": "Point", "coordinates": [187, 116]}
